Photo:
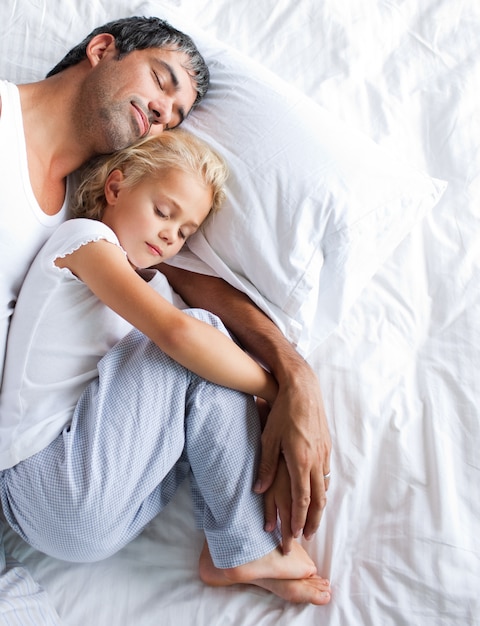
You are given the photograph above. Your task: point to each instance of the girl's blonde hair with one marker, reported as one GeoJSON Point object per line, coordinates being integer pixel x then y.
{"type": "Point", "coordinates": [176, 149]}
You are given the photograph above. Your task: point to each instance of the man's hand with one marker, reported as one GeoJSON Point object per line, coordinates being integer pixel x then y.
{"type": "Point", "coordinates": [278, 504]}
{"type": "Point", "coordinates": [296, 428]}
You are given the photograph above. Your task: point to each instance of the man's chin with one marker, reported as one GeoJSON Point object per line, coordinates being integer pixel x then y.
{"type": "Point", "coordinates": [119, 141]}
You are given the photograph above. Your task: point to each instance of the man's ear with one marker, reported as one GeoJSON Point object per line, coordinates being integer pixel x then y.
{"type": "Point", "coordinates": [99, 46]}
{"type": "Point", "coordinates": [113, 185]}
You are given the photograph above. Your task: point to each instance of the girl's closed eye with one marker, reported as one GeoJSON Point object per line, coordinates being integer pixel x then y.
{"type": "Point", "coordinates": [160, 213]}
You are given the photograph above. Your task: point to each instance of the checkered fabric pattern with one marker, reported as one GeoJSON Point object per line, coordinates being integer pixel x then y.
{"type": "Point", "coordinates": [137, 432]}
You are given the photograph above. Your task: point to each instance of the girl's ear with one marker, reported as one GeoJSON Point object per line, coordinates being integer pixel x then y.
{"type": "Point", "coordinates": [113, 184]}
{"type": "Point", "coordinates": [99, 46]}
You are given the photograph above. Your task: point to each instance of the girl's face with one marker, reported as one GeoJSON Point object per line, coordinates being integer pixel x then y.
{"type": "Point", "coordinates": [153, 219]}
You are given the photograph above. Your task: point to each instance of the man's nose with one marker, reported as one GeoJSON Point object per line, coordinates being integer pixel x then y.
{"type": "Point", "coordinates": [162, 110]}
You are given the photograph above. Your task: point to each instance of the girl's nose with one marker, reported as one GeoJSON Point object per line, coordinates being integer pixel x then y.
{"type": "Point", "coordinates": [167, 235]}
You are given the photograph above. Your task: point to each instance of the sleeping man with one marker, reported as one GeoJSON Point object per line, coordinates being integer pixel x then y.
{"type": "Point", "coordinates": [102, 98]}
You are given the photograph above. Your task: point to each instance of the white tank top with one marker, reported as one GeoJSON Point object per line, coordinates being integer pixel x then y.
{"type": "Point", "coordinates": [24, 227]}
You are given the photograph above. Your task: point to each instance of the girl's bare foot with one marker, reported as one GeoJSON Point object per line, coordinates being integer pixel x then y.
{"type": "Point", "coordinates": [291, 577]}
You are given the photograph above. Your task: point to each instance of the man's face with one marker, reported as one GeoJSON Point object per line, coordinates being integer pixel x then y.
{"type": "Point", "coordinates": [145, 92]}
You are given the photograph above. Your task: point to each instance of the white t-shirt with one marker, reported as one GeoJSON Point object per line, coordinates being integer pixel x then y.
{"type": "Point", "coordinates": [59, 332]}
{"type": "Point", "coordinates": [24, 227]}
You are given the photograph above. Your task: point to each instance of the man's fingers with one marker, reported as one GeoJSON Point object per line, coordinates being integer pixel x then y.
{"type": "Point", "coordinates": [309, 498]}
{"type": "Point", "coordinates": [301, 498]}
{"type": "Point", "coordinates": [270, 508]}
{"type": "Point", "coordinates": [318, 503]}
{"type": "Point", "coordinates": [267, 468]}
{"type": "Point", "coordinates": [287, 534]}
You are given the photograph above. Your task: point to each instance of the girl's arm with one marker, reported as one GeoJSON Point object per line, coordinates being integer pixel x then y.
{"type": "Point", "coordinates": [199, 347]}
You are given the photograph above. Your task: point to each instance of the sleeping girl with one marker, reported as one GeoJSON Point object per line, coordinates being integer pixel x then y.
{"type": "Point", "coordinates": [112, 396]}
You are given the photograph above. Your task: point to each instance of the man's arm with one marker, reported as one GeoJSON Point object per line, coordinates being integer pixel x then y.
{"type": "Point", "coordinates": [296, 426]}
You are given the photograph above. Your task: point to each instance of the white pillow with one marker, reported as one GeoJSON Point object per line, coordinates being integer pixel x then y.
{"type": "Point", "coordinates": [314, 207]}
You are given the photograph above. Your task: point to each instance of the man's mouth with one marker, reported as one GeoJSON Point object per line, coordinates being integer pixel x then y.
{"type": "Point", "coordinates": [142, 121]}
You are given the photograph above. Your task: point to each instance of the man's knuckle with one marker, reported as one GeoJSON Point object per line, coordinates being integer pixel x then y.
{"type": "Point", "coordinates": [303, 500]}
{"type": "Point", "coordinates": [319, 501]}
{"type": "Point", "coordinates": [266, 466]}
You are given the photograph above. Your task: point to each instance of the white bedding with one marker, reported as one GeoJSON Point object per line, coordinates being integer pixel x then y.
{"type": "Point", "coordinates": [399, 538]}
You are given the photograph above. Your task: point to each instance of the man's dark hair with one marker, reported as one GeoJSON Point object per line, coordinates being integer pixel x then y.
{"type": "Point", "coordinates": [140, 33]}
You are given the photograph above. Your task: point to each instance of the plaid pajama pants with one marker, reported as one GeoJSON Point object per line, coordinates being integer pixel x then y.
{"type": "Point", "coordinates": [138, 430]}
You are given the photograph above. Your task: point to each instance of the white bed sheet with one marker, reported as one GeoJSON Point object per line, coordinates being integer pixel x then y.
{"type": "Point", "coordinates": [399, 538]}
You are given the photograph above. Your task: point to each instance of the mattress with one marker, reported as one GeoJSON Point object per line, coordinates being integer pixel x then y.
{"type": "Point", "coordinates": [398, 365]}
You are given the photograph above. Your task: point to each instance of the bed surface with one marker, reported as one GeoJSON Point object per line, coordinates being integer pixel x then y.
{"type": "Point", "coordinates": [399, 374]}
